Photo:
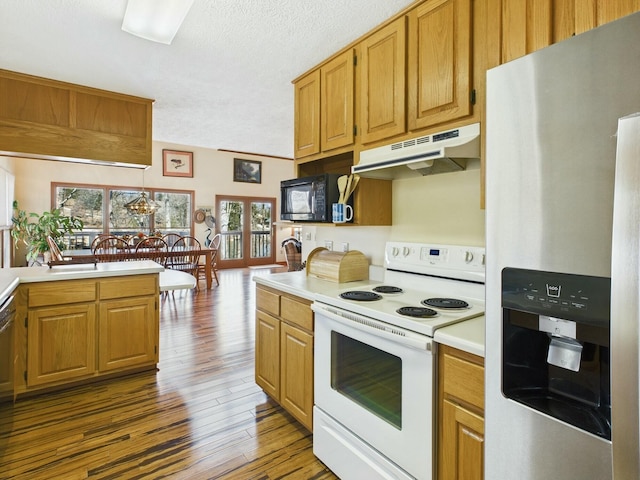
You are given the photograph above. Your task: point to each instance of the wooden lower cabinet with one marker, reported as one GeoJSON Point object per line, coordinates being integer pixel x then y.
{"type": "Point", "coordinates": [284, 351]}
{"type": "Point", "coordinates": [127, 337]}
{"type": "Point", "coordinates": [296, 373]}
{"type": "Point", "coordinates": [81, 329]}
{"type": "Point", "coordinates": [460, 415]}
{"type": "Point", "coordinates": [61, 343]}
{"type": "Point", "coordinates": [267, 369]}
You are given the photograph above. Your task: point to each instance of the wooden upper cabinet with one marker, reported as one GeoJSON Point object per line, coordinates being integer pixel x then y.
{"type": "Point", "coordinates": [307, 115]}
{"type": "Point", "coordinates": [440, 63]}
{"type": "Point", "coordinates": [337, 82]}
{"type": "Point", "coordinates": [49, 119]}
{"type": "Point", "coordinates": [527, 26]}
{"type": "Point", "coordinates": [382, 93]}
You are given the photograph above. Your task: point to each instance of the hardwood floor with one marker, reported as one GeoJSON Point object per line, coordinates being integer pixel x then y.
{"type": "Point", "coordinates": [201, 416]}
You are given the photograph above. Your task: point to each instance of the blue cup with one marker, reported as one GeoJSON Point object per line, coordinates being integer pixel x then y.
{"type": "Point", "coordinates": [341, 213]}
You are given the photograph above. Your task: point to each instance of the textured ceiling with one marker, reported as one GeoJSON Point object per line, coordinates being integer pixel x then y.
{"type": "Point", "coordinates": [224, 82]}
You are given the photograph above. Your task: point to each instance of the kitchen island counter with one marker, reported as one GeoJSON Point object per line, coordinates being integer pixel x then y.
{"type": "Point", "coordinates": [10, 278]}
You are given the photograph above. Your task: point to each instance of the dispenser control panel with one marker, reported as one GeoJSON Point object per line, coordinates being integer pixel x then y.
{"type": "Point", "coordinates": [572, 297]}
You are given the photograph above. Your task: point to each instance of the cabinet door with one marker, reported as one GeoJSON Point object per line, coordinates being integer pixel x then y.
{"type": "Point", "coordinates": [296, 373]}
{"type": "Point", "coordinates": [337, 102]}
{"type": "Point", "coordinates": [439, 67]}
{"type": "Point", "coordinates": [61, 343]}
{"type": "Point", "coordinates": [382, 110]}
{"type": "Point", "coordinates": [307, 115]}
{"type": "Point", "coordinates": [267, 361]}
{"type": "Point", "coordinates": [128, 335]}
{"type": "Point", "coordinates": [526, 27]}
{"type": "Point", "coordinates": [462, 449]}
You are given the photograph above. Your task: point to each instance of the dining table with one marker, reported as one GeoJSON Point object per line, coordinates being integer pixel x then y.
{"type": "Point", "coordinates": [142, 254]}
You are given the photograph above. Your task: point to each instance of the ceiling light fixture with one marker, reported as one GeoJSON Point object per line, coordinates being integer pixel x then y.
{"type": "Point", "coordinates": [141, 205]}
{"type": "Point", "coordinates": [155, 20]}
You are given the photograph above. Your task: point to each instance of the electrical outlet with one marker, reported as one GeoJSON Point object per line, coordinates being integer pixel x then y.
{"type": "Point", "coordinates": [307, 236]}
{"type": "Point", "coordinates": [328, 244]}
{"type": "Point", "coordinates": [345, 246]}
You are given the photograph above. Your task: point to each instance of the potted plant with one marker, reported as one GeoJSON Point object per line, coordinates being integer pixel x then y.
{"type": "Point", "coordinates": [33, 229]}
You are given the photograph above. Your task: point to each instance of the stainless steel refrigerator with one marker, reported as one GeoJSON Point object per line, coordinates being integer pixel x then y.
{"type": "Point", "coordinates": [561, 357]}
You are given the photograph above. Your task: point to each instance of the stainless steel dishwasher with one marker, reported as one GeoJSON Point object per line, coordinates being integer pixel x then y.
{"type": "Point", "coordinates": [7, 314]}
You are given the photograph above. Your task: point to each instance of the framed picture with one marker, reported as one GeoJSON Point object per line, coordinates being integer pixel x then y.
{"type": "Point", "coordinates": [248, 171]}
{"type": "Point", "coordinates": [177, 164]}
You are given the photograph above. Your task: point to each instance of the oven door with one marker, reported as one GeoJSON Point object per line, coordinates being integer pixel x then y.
{"type": "Point", "coordinates": [377, 382]}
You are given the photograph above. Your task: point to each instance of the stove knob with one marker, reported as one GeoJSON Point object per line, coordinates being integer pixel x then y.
{"type": "Point", "coordinates": [468, 256]}
{"type": "Point", "coordinates": [395, 251]}
{"type": "Point", "coordinates": [406, 251]}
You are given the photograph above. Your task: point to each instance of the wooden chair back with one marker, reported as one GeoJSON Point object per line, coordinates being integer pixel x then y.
{"type": "Point", "coordinates": [171, 238]}
{"type": "Point", "coordinates": [152, 248]}
{"type": "Point", "coordinates": [187, 261]}
{"type": "Point", "coordinates": [56, 254]}
{"type": "Point", "coordinates": [111, 249]}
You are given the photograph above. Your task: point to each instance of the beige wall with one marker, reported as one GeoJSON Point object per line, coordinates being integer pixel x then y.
{"type": "Point", "coordinates": [442, 208]}
{"type": "Point", "coordinates": [213, 174]}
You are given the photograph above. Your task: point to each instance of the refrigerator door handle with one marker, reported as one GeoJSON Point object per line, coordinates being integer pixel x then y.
{"type": "Point", "coordinates": [625, 301]}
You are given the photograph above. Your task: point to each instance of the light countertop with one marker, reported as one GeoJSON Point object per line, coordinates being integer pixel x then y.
{"type": "Point", "coordinates": [10, 278]}
{"type": "Point", "coordinates": [467, 336]}
{"type": "Point", "coordinates": [300, 285]}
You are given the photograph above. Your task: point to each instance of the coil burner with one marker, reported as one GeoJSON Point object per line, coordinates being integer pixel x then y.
{"type": "Point", "coordinates": [417, 312]}
{"type": "Point", "coordinates": [387, 289]}
{"type": "Point", "coordinates": [360, 296]}
{"type": "Point", "coordinates": [445, 303]}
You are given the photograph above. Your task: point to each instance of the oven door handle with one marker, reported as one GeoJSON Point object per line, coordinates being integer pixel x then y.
{"type": "Point", "coordinates": [374, 327]}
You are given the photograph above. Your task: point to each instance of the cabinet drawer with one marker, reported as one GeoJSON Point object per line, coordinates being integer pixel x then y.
{"type": "Point", "coordinates": [268, 301]}
{"type": "Point", "coordinates": [129, 286]}
{"type": "Point", "coordinates": [463, 378]}
{"type": "Point", "coordinates": [59, 293]}
{"type": "Point", "coordinates": [297, 312]}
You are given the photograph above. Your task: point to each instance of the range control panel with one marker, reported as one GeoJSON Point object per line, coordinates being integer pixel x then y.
{"type": "Point", "coordinates": [465, 262]}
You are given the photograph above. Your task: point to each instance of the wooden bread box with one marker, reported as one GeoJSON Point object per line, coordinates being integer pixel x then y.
{"type": "Point", "coordinates": [337, 266]}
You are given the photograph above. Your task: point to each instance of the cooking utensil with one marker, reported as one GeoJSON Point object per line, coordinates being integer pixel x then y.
{"type": "Point", "coordinates": [351, 186]}
{"type": "Point", "coordinates": [342, 185]}
{"type": "Point", "coordinates": [347, 190]}
{"type": "Point", "coordinates": [354, 184]}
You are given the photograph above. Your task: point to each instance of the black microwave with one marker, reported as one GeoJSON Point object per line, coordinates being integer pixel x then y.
{"type": "Point", "coordinates": [309, 199]}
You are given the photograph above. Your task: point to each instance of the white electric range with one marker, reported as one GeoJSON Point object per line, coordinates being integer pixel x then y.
{"type": "Point", "coordinates": [374, 363]}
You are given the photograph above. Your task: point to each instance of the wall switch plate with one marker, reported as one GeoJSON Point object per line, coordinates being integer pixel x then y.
{"type": "Point", "coordinates": [328, 244]}
{"type": "Point", "coordinates": [345, 246]}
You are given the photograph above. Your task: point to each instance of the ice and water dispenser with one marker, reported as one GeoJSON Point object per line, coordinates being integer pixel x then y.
{"type": "Point", "coordinates": [555, 346]}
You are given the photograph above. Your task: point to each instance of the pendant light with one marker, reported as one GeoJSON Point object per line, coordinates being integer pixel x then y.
{"type": "Point", "coordinates": [141, 205]}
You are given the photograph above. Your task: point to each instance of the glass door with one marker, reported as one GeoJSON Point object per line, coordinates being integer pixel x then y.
{"type": "Point", "coordinates": [246, 228]}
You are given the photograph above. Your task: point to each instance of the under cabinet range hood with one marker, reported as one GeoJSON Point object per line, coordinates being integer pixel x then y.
{"type": "Point", "coordinates": [430, 154]}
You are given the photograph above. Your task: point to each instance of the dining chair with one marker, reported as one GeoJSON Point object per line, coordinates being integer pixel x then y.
{"type": "Point", "coordinates": [292, 253]}
{"type": "Point", "coordinates": [135, 239]}
{"type": "Point", "coordinates": [215, 245]}
{"type": "Point", "coordinates": [186, 260]}
{"type": "Point", "coordinates": [112, 249]}
{"type": "Point", "coordinates": [171, 238]}
{"type": "Point", "coordinates": [54, 250]}
{"type": "Point", "coordinates": [97, 238]}
{"type": "Point", "coordinates": [152, 248]}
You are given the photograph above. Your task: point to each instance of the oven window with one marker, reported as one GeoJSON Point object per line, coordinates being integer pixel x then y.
{"type": "Point", "coordinates": [368, 376]}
